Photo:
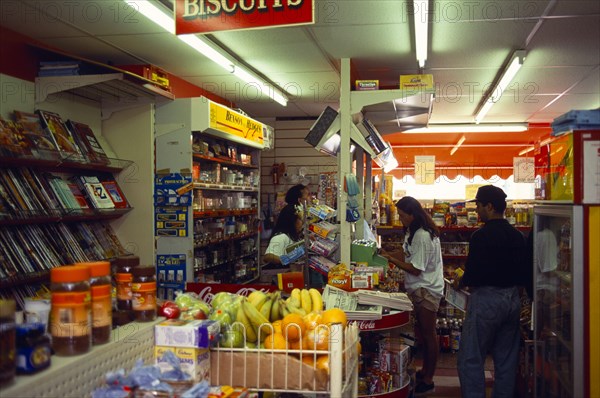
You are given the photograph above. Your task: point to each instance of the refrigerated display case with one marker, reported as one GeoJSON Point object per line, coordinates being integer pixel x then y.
{"type": "Point", "coordinates": [565, 248]}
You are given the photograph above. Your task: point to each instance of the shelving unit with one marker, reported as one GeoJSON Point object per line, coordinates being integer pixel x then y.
{"type": "Point", "coordinates": [78, 376]}
{"type": "Point", "coordinates": [390, 325]}
{"type": "Point", "coordinates": [41, 252]}
{"type": "Point", "coordinates": [224, 187]}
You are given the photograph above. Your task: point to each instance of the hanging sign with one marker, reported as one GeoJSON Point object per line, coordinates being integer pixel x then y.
{"type": "Point", "coordinates": [524, 170]}
{"type": "Point", "coordinates": [234, 123]}
{"type": "Point", "coordinates": [206, 16]}
{"type": "Point", "coordinates": [416, 82]}
{"type": "Point", "coordinates": [425, 170]}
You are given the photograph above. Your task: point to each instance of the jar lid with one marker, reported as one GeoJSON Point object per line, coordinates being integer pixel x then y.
{"type": "Point", "coordinates": [98, 268]}
{"type": "Point", "coordinates": [146, 270]}
{"type": "Point", "coordinates": [70, 273]}
{"type": "Point", "coordinates": [127, 261]}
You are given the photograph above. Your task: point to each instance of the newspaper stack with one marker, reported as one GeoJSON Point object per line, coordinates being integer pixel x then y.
{"type": "Point", "coordinates": [398, 301]}
{"type": "Point", "coordinates": [348, 302]}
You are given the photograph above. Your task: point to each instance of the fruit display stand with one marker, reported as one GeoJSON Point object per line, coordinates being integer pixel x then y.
{"type": "Point", "coordinates": [284, 370]}
{"type": "Point", "coordinates": [78, 376]}
{"type": "Point", "coordinates": [331, 369]}
{"type": "Point", "coordinates": [389, 322]}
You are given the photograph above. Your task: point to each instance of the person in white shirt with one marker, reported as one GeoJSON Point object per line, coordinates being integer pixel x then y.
{"type": "Point", "coordinates": [287, 230]}
{"type": "Point", "coordinates": [421, 260]}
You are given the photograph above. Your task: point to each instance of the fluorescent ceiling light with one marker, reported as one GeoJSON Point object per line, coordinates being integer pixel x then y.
{"type": "Point", "coordinates": [496, 92]}
{"type": "Point", "coordinates": [470, 128]}
{"type": "Point", "coordinates": [421, 16]}
{"type": "Point", "coordinates": [458, 144]}
{"type": "Point", "coordinates": [208, 49]}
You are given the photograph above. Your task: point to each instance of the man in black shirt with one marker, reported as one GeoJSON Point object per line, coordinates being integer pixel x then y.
{"type": "Point", "coordinates": [496, 266]}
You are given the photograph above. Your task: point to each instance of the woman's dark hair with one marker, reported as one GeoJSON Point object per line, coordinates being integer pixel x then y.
{"type": "Point", "coordinates": [293, 195]}
{"type": "Point", "coordinates": [286, 222]}
{"type": "Point", "coordinates": [421, 219]}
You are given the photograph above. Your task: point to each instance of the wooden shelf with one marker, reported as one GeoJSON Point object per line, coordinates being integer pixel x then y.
{"type": "Point", "coordinates": [226, 239]}
{"type": "Point", "coordinates": [225, 213]}
{"type": "Point", "coordinates": [225, 161]}
{"type": "Point", "coordinates": [60, 215]}
{"type": "Point", "coordinates": [36, 277]}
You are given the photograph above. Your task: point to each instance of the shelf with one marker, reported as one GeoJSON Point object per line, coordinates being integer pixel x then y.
{"type": "Point", "coordinates": [109, 89]}
{"type": "Point", "coordinates": [78, 376]}
{"type": "Point", "coordinates": [403, 392]}
{"type": "Point", "coordinates": [231, 260]}
{"type": "Point", "coordinates": [226, 239]}
{"type": "Point", "coordinates": [386, 228]}
{"type": "Point", "coordinates": [51, 161]}
{"type": "Point", "coordinates": [392, 320]}
{"type": "Point", "coordinates": [225, 213]}
{"type": "Point", "coordinates": [32, 278]}
{"type": "Point", "coordinates": [227, 162]}
{"type": "Point", "coordinates": [224, 187]}
{"type": "Point", "coordinates": [60, 215]}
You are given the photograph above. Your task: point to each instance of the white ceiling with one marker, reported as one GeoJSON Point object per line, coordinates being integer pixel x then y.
{"type": "Point", "coordinates": [470, 41]}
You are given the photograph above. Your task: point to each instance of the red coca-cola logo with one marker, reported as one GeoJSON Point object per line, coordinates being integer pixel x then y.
{"type": "Point", "coordinates": [206, 291]}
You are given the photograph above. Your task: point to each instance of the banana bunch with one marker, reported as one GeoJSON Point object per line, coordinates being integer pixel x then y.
{"type": "Point", "coordinates": [256, 313]}
{"type": "Point", "coordinates": [303, 301]}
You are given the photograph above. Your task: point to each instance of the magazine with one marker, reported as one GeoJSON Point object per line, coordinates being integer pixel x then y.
{"type": "Point", "coordinates": [348, 302]}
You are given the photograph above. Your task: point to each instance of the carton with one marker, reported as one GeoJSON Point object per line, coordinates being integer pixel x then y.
{"type": "Point", "coordinates": [194, 361]}
{"type": "Point", "coordinates": [265, 370]}
{"type": "Point", "coordinates": [201, 333]}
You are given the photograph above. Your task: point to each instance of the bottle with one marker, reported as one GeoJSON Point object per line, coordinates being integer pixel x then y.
{"type": "Point", "coordinates": [123, 278]}
{"type": "Point", "coordinates": [70, 314]}
{"type": "Point", "coordinates": [100, 287]}
{"type": "Point", "coordinates": [445, 336]}
{"type": "Point", "coordinates": [143, 288]}
{"type": "Point", "coordinates": [33, 348]}
{"type": "Point", "coordinates": [455, 334]}
{"type": "Point", "coordinates": [383, 218]}
{"type": "Point", "coordinates": [7, 341]}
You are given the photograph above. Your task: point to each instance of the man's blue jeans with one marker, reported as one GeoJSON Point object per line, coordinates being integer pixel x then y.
{"type": "Point", "coordinates": [491, 325]}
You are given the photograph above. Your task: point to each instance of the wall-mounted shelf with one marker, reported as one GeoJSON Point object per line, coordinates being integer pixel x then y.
{"type": "Point", "coordinates": [226, 162]}
{"type": "Point", "coordinates": [224, 187]}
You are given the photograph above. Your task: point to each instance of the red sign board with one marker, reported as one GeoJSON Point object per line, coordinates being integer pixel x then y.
{"type": "Point", "coordinates": [206, 16]}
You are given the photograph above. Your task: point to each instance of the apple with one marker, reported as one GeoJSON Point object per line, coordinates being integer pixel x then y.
{"type": "Point", "coordinates": [164, 305]}
{"type": "Point", "coordinates": [198, 314]}
{"type": "Point", "coordinates": [171, 312]}
{"type": "Point", "coordinates": [232, 339]}
{"type": "Point", "coordinates": [222, 317]}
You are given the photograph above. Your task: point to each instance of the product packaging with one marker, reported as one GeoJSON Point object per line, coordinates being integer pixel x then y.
{"type": "Point", "coordinates": [193, 361]}
{"type": "Point", "coordinates": [201, 333]}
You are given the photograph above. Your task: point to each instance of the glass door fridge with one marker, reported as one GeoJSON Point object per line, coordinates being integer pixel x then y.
{"type": "Point", "coordinates": [565, 247]}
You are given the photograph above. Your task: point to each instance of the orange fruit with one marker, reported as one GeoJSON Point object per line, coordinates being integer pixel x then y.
{"type": "Point", "coordinates": [323, 363]}
{"type": "Point", "coordinates": [275, 341]}
{"type": "Point", "coordinates": [309, 359]}
{"type": "Point", "coordinates": [297, 345]}
{"type": "Point", "coordinates": [312, 319]}
{"type": "Point", "coordinates": [292, 326]}
{"type": "Point", "coordinates": [317, 339]}
{"type": "Point", "coordinates": [276, 326]}
{"type": "Point", "coordinates": [334, 315]}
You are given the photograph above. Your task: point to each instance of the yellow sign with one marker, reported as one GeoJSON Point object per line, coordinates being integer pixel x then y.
{"type": "Point", "coordinates": [416, 82]}
{"type": "Point", "coordinates": [234, 123]}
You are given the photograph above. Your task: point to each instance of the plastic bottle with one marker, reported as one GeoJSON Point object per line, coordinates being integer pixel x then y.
{"type": "Point", "coordinates": [143, 288]}
{"type": "Point", "coordinates": [123, 277]}
{"type": "Point", "coordinates": [7, 341]}
{"type": "Point", "coordinates": [100, 286]}
{"type": "Point", "coordinates": [70, 315]}
{"type": "Point", "coordinates": [33, 348]}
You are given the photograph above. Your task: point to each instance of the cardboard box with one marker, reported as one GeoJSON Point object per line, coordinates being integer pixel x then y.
{"type": "Point", "coordinates": [265, 370]}
{"type": "Point", "coordinates": [187, 333]}
{"type": "Point", "coordinates": [194, 361]}
{"type": "Point", "coordinates": [289, 280]}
